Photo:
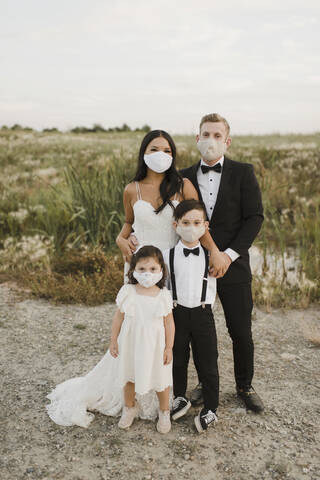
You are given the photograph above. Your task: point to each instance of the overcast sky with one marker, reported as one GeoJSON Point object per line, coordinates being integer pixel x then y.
{"type": "Point", "coordinates": [165, 63]}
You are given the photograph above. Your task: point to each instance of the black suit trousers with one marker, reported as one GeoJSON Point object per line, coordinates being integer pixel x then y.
{"type": "Point", "coordinates": [236, 300]}
{"type": "Point", "coordinates": [196, 325]}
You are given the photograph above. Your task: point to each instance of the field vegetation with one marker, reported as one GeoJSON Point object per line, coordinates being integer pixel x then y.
{"type": "Point", "coordinates": [61, 209]}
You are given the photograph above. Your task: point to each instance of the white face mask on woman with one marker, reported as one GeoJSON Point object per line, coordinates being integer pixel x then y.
{"type": "Point", "coordinates": [211, 149]}
{"type": "Point", "coordinates": [147, 279]}
{"type": "Point", "coordinates": [158, 161]}
{"type": "Point", "coordinates": [190, 233]}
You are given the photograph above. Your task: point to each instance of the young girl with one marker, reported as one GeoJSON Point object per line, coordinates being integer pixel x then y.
{"type": "Point", "coordinates": [139, 360]}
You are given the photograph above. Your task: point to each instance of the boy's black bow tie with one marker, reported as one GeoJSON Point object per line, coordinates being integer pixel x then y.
{"type": "Point", "coordinates": [187, 251]}
{"type": "Point", "coordinates": [216, 168]}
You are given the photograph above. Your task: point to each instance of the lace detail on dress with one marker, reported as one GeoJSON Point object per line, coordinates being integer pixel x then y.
{"type": "Point", "coordinates": [152, 228]}
{"type": "Point", "coordinates": [155, 229]}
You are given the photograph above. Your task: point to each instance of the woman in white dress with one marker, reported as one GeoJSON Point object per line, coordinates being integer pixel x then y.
{"type": "Point", "coordinates": [150, 198]}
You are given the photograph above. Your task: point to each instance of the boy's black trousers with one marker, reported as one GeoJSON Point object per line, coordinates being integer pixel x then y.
{"type": "Point", "coordinates": [196, 325]}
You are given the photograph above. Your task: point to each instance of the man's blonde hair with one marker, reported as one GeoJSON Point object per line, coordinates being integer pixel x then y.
{"type": "Point", "coordinates": [215, 117]}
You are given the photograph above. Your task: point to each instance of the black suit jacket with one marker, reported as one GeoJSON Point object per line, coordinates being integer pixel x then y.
{"type": "Point", "coordinates": [237, 216]}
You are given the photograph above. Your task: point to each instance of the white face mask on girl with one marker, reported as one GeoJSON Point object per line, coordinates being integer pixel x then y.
{"type": "Point", "coordinates": [147, 279]}
{"type": "Point", "coordinates": [190, 233]}
{"type": "Point", "coordinates": [158, 161]}
{"type": "Point", "coordinates": [211, 149]}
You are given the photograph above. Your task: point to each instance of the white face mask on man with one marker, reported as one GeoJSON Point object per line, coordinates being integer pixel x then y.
{"type": "Point", "coordinates": [211, 149]}
{"type": "Point", "coordinates": [158, 161]}
{"type": "Point", "coordinates": [147, 279]}
{"type": "Point", "coordinates": [190, 233]}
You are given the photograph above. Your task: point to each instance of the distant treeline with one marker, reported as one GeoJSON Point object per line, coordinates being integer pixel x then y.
{"type": "Point", "coordinates": [96, 128]}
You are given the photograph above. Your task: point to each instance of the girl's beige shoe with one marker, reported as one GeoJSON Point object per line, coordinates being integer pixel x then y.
{"type": "Point", "coordinates": [127, 417]}
{"type": "Point", "coordinates": [164, 422]}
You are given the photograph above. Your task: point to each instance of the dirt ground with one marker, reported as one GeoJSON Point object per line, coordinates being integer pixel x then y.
{"type": "Point", "coordinates": [43, 344]}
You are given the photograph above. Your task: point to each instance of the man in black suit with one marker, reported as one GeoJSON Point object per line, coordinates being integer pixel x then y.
{"type": "Point", "coordinates": [232, 197]}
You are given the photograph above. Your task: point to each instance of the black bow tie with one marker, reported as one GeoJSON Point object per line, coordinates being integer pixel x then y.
{"type": "Point", "coordinates": [216, 168]}
{"type": "Point", "coordinates": [187, 251]}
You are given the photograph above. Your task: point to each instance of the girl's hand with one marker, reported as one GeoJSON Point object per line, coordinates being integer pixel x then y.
{"type": "Point", "coordinates": [125, 247]}
{"type": "Point", "coordinates": [114, 349]}
{"type": "Point", "coordinates": [167, 356]}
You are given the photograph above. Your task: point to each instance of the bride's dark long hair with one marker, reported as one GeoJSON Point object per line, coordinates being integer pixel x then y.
{"type": "Point", "coordinates": [172, 182]}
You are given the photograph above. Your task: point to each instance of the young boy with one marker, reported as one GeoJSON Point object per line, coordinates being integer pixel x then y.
{"type": "Point", "coordinates": [193, 292]}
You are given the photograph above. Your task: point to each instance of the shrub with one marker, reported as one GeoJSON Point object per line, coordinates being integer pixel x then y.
{"type": "Point", "coordinates": [89, 278]}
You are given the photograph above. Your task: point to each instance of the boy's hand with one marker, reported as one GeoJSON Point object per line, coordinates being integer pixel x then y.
{"type": "Point", "coordinates": [125, 248]}
{"type": "Point", "coordinates": [114, 349]}
{"type": "Point", "coordinates": [219, 264]}
{"type": "Point", "coordinates": [167, 356]}
{"type": "Point", "coordinates": [228, 260]}
{"type": "Point", "coordinates": [133, 242]}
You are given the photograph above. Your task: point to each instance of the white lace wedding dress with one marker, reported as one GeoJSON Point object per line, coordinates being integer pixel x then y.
{"type": "Point", "coordinates": [151, 228]}
{"type": "Point", "coordinates": [102, 388]}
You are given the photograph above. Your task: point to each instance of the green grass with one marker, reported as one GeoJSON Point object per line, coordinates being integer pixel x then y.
{"type": "Point", "coordinates": [66, 191]}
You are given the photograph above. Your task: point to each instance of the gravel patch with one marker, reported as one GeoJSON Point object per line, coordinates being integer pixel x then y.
{"type": "Point", "coordinates": [43, 344]}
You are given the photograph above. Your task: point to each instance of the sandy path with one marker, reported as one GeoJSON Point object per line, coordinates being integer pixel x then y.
{"type": "Point", "coordinates": [43, 344]}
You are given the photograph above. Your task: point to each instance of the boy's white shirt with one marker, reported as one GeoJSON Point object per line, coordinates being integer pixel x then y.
{"type": "Point", "coordinates": [189, 273]}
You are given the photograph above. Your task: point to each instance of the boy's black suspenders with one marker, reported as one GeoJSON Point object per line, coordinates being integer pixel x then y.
{"type": "Point", "coordinates": [173, 278]}
{"type": "Point", "coordinates": [205, 278]}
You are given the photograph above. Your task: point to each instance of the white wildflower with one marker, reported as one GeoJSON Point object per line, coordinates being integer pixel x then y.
{"type": "Point", "coordinates": [31, 162]}
{"type": "Point", "coordinates": [46, 172]}
{"type": "Point", "coordinates": [20, 215]}
{"type": "Point", "coordinates": [38, 209]}
{"type": "Point", "coordinates": [27, 249]}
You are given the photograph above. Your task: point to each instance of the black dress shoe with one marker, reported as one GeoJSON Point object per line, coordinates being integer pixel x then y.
{"type": "Point", "coordinates": [196, 397]}
{"type": "Point", "coordinates": [251, 399]}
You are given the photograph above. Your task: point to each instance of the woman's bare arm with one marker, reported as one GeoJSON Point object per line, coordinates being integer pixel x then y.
{"type": "Point", "coordinates": [122, 239]}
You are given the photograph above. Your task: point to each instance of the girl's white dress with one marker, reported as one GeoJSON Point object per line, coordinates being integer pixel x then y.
{"type": "Point", "coordinates": [141, 346]}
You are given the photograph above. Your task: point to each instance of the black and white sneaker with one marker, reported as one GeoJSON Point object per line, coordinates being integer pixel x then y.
{"type": "Point", "coordinates": [204, 419]}
{"type": "Point", "coordinates": [180, 407]}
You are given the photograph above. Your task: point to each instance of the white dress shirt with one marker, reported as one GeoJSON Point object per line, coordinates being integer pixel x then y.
{"type": "Point", "coordinates": [209, 184]}
{"type": "Point", "coordinates": [189, 272]}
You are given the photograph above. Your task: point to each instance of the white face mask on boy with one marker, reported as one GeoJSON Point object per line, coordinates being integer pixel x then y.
{"type": "Point", "coordinates": [158, 161]}
{"type": "Point", "coordinates": [190, 233]}
{"type": "Point", "coordinates": [147, 279]}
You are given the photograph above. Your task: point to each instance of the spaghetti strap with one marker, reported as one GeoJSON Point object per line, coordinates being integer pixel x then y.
{"type": "Point", "coordinates": [138, 191]}
{"type": "Point", "coordinates": [176, 196]}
